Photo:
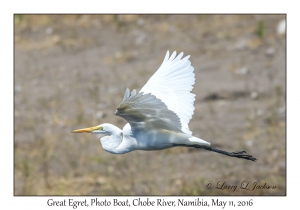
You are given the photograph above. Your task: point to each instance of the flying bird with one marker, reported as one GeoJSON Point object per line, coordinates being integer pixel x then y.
{"type": "Point", "coordinates": [158, 116]}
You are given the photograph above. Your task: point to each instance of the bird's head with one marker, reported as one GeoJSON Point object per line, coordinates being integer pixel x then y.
{"type": "Point", "coordinates": [111, 140]}
{"type": "Point", "coordinates": [106, 129]}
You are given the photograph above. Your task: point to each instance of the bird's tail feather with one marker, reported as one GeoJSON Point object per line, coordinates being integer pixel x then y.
{"type": "Point", "coordinates": [194, 139]}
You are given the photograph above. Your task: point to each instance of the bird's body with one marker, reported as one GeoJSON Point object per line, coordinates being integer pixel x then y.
{"type": "Point", "coordinates": [158, 115]}
{"type": "Point", "coordinates": [142, 139]}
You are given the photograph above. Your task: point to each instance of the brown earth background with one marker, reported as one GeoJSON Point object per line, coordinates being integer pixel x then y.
{"type": "Point", "coordinates": [71, 71]}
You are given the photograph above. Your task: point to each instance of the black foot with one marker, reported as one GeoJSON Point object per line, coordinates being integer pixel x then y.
{"type": "Point", "coordinates": [243, 154]}
{"type": "Point", "coordinates": [239, 152]}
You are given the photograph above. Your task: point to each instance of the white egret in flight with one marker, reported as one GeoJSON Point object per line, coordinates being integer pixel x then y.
{"type": "Point", "coordinates": [159, 114]}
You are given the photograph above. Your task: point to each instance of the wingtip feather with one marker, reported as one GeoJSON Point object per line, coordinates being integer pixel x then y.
{"type": "Point", "coordinates": [127, 94]}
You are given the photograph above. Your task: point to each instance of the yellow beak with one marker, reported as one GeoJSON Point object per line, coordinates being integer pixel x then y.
{"type": "Point", "coordinates": [85, 130]}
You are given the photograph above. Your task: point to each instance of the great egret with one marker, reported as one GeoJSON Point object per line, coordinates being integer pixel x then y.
{"type": "Point", "coordinates": [159, 114]}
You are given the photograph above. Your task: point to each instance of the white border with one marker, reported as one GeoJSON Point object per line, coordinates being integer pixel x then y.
{"type": "Point", "coordinates": [8, 201]}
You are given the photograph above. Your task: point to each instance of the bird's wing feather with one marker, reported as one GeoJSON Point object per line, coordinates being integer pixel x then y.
{"type": "Point", "coordinates": [146, 111]}
{"type": "Point", "coordinates": [172, 84]}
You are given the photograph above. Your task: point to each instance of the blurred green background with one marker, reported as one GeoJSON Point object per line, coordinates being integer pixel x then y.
{"type": "Point", "coordinates": [71, 71]}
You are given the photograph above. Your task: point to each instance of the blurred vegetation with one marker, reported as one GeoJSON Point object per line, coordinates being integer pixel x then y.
{"type": "Point", "coordinates": [260, 29]}
{"type": "Point", "coordinates": [71, 72]}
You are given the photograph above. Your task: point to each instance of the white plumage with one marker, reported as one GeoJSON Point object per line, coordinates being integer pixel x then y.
{"type": "Point", "coordinates": [159, 114]}
{"type": "Point", "coordinates": [172, 83]}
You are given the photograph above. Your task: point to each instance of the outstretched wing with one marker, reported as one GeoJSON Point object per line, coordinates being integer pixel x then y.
{"type": "Point", "coordinates": [172, 84]}
{"type": "Point", "coordinates": [146, 111]}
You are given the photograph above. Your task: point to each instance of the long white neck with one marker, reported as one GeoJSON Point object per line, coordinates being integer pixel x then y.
{"type": "Point", "coordinates": [111, 142]}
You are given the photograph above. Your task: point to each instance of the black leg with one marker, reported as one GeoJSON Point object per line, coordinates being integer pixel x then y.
{"type": "Point", "coordinates": [239, 154]}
